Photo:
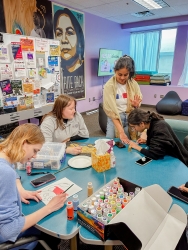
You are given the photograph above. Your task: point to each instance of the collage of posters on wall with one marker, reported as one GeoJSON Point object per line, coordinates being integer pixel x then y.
{"type": "Point", "coordinates": [34, 18]}
{"type": "Point", "coordinates": [29, 72]}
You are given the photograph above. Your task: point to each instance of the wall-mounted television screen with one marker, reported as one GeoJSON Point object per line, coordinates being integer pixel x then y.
{"type": "Point", "coordinates": [107, 61]}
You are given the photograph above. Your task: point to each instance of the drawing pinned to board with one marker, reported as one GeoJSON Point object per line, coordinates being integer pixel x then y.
{"type": "Point", "coordinates": [50, 191]}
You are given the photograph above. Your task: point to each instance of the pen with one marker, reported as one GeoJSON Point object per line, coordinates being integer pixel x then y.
{"type": "Point", "coordinates": [61, 170]}
{"type": "Point", "coordinates": [35, 173]}
{"type": "Point", "coordinates": [67, 188]}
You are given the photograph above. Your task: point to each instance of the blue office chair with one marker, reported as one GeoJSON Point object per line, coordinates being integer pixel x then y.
{"type": "Point", "coordinates": [22, 241]}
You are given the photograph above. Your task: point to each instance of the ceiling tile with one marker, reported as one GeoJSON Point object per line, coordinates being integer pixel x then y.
{"type": "Point", "coordinates": [175, 2]}
{"type": "Point", "coordinates": [88, 3]}
{"type": "Point", "coordinates": [166, 12]}
{"type": "Point", "coordinates": [110, 1]}
{"type": "Point", "coordinates": [182, 9]}
{"type": "Point", "coordinates": [120, 10]}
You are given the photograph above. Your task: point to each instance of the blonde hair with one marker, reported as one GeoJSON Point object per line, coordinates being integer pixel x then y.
{"type": "Point", "coordinates": [61, 102]}
{"type": "Point", "coordinates": [29, 133]}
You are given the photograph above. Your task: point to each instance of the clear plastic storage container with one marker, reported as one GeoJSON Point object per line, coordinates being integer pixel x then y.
{"type": "Point", "coordinates": [50, 156]}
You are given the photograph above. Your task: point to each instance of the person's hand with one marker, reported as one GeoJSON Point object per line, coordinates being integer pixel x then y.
{"type": "Point", "coordinates": [74, 150]}
{"type": "Point", "coordinates": [68, 139]}
{"type": "Point", "coordinates": [26, 195]}
{"type": "Point", "coordinates": [57, 202]}
{"type": "Point", "coordinates": [135, 145]}
{"type": "Point", "coordinates": [183, 188]}
{"type": "Point", "coordinates": [141, 141]}
{"type": "Point", "coordinates": [136, 101]}
{"type": "Point", "coordinates": [124, 138]}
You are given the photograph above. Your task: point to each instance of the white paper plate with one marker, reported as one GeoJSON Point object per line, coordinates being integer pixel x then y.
{"type": "Point", "coordinates": [80, 161]}
{"type": "Point", "coordinates": [105, 140]}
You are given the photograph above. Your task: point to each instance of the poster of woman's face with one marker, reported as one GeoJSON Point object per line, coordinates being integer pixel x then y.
{"type": "Point", "coordinates": [66, 34]}
{"type": "Point", "coordinates": [68, 29]}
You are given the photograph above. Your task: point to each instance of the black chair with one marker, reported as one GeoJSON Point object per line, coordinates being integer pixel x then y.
{"type": "Point", "coordinates": [170, 104]}
{"type": "Point", "coordinates": [22, 241]}
{"type": "Point", "coordinates": [102, 118]}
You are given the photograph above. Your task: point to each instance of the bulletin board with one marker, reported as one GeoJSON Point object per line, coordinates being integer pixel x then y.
{"type": "Point", "coordinates": [30, 72]}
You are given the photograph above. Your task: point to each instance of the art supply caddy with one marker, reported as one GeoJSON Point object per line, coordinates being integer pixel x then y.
{"type": "Point", "coordinates": [93, 222]}
{"type": "Point", "coordinates": [147, 221]}
{"type": "Point", "coordinates": [50, 156]}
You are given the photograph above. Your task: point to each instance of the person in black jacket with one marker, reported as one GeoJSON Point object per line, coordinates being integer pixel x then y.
{"type": "Point", "coordinates": [161, 139]}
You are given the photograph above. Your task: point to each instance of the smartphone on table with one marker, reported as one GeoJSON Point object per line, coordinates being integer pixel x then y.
{"type": "Point", "coordinates": [43, 180]}
{"type": "Point", "coordinates": [143, 161]}
{"type": "Point", "coordinates": [119, 144]}
{"type": "Point", "coordinates": [176, 192]}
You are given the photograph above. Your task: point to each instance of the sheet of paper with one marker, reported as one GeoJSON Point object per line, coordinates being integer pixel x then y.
{"type": "Point", "coordinates": [50, 191]}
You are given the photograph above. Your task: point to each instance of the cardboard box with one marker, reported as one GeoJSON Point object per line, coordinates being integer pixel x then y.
{"type": "Point", "coordinates": [148, 222]}
{"type": "Point", "coordinates": [100, 163]}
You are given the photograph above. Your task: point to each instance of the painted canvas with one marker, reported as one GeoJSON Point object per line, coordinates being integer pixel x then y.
{"type": "Point", "coordinates": [2, 18]}
{"type": "Point", "coordinates": [32, 18]}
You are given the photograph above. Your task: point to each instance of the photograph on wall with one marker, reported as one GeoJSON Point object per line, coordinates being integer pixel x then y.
{"type": "Point", "coordinates": [31, 18]}
{"type": "Point", "coordinates": [69, 30]}
{"type": "Point", "coordinates": [2, 18]}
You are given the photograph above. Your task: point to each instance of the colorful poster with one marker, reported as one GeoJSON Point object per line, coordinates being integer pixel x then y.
{"type": "Point", "coordinates": [30, 60]}
{"type": "Point", "coordinates": [27, 44]}
{"type": "Point", "coordinates": [31, 18]}
{"type": "Point", "coordinates": [16, 50]}
{"type": "Point", "coordinates": [50, 97]}
{"type": "Point", "coordinates": [6, 87]}
{"type": "Point", "coordinates": [69, 30]}
{"type": "Point", "coordinates": [54, 48]}
{"type": "Point", "coordinates": [52, 61]}
{"type": "Point", "coordinates": [16, 87]}
{"type": "Point", "coordinates": [10, 102]}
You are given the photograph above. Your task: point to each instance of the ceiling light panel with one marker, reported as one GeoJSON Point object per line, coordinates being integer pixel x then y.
{"type": "Point", "coordinates": [151, 4]}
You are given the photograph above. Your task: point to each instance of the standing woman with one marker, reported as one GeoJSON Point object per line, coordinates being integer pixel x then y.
{"type": "Point", "coordinates": [64, 123]}
{"type": "Point", "coordinates": [121, 95]}
{"type": "Point", "coordinates": [161, 139]}
{"type": "Point", "coordinates": [20, 146]}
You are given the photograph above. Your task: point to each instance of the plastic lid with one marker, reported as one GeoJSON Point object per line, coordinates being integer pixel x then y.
{"type": "Point", "coordinates": [89, 184]}
{"type": "Point", "coordinates": [75, 197]}
{"type": "Point", "coordinates": [69, 204]}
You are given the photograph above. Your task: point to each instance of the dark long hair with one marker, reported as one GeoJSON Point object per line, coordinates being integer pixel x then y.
{"type": "Point", "coordinates": [126, 62]}
{"type": "Point", "coordinates": [138, 115]}
{"type": "Point", "coordinates": [60, 103]}
{"type": "Point", "coordinates": [80, 37]}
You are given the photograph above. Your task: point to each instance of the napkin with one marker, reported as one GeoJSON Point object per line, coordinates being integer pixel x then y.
{"type": "Point", "coordinates": [102, 147]}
